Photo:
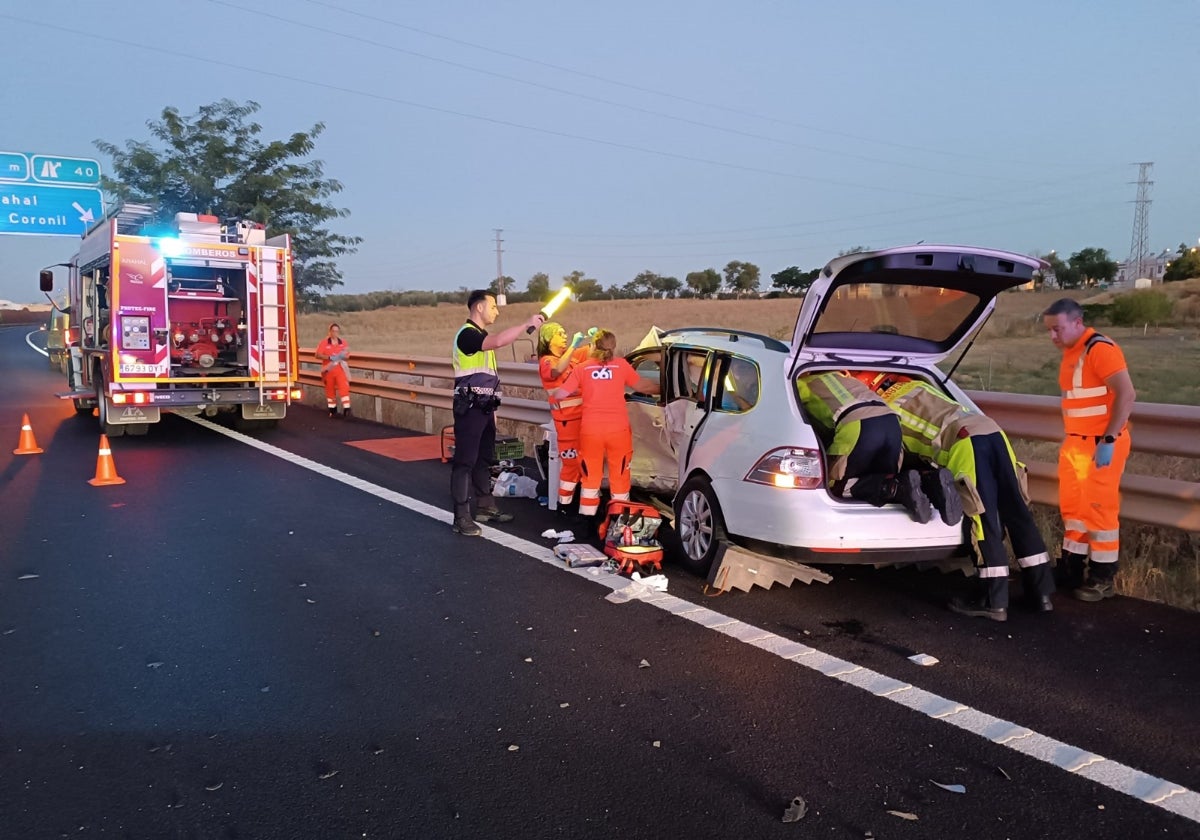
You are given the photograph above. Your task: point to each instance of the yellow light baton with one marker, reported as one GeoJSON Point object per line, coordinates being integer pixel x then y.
{"type": "Point", "coordinates": [550, 308]}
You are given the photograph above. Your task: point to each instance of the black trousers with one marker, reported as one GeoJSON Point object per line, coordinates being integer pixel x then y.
{"type": "Point", "coordinates": [1005, 511]}
{"type": "Point", "coordinates": [873, 461]}
{"type": "Point", "coordinates": [474, 454]}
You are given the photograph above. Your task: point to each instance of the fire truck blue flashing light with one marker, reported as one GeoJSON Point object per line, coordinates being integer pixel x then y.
{"type": "Point", "coordinates": [170, 246]}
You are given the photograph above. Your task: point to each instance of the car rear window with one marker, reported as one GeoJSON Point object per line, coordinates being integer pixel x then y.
{"type": "Point", "coordinates": [929, 313]}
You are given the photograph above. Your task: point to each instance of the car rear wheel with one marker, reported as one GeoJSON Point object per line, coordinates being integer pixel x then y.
{"type": "Point", "coordinates": [699, 525]}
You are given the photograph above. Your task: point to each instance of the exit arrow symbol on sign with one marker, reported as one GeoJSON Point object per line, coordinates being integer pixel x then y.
{"type": "Point", "coordinates": [84, 215]}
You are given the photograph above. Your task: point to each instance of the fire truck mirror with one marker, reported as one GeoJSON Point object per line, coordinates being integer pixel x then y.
{"type": "Point", "coordinates": [46, 280]}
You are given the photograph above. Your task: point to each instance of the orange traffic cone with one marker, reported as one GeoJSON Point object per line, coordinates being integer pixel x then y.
{"type": "Point", "coordinates": [106, 470]}
{"type": "Point", "coordinates": [27, 445]}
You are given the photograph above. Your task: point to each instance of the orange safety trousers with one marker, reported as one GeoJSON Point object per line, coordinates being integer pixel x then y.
{"type": "Point", "coordinates": [336, 381]}
{"type": "Point", "coordinates": [1089, 497]}
{"type": "Point", "coordinates": [597, 445]}
{"type": "Point", "coordinates": [567, 432]}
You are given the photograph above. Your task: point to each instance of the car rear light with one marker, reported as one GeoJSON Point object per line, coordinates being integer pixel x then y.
{"type": "Point", "coordinates": [297, 393]}
{"type": "Point", "coordinates": [789, 467]}
{"type": "Point", "coordinates": [118, 399]}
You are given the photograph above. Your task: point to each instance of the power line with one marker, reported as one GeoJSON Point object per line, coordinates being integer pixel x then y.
{"type": "Point", "coordinates": [175, 53]}
{"type": "Point", "coordinates": [636, 109]}
{"type": "Point", "coordinates": [583, 74]}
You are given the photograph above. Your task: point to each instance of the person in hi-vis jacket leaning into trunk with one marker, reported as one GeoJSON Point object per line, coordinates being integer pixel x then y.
{"type": "Point", "coordinates": [991, 485]}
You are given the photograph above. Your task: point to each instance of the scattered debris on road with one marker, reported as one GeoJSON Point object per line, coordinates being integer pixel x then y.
{"type": "Point", "coordinates": [796, 810]}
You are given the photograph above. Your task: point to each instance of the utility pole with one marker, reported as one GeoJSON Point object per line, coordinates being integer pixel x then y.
{"type": "Point", "coordinates": [500, 299]}
{"type": "Point", "coordinates": [1139, 243]}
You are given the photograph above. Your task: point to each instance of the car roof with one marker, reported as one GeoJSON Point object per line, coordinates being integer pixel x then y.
{"type": "Point", "coordinates": [741, 342]}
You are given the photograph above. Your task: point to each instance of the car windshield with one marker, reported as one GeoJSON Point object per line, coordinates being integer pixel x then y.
{"type": "Point", "coordinates": [927, 313]}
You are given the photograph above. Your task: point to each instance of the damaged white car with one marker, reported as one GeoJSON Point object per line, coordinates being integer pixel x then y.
{"type": "Point", "coordinates": [727, 443]}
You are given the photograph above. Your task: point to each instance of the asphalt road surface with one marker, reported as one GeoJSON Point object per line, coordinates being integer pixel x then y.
{"type": "Point", "coordinates": [280, 637]}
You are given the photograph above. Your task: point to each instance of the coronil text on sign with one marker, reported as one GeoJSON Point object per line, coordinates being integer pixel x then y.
{"type": "Point", "coordinates": [48, 195]}
{"type": "Point", "coordinates": [47, 210]}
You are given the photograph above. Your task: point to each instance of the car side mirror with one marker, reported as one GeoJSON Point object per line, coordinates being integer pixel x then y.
{"type": "Point", "coordinates": [46, 280]}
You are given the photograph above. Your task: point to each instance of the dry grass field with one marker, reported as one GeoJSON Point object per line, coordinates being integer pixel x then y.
{"type": "Point", "coordinates": [1012, 354]}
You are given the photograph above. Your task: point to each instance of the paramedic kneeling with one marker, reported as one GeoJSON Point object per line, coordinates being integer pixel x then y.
{"type": "Point", "coordinates": [476, 398]}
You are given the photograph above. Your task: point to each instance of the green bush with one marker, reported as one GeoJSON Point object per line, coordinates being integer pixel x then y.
{"type": "Point", "coordinates": [1145, 306]}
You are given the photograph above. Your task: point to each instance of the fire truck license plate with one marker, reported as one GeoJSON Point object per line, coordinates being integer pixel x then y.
{"type": "Point", "coordinates": [268, 411]}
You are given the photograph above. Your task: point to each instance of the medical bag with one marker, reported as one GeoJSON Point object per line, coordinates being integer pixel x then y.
{"type": "Point", "coordinates": [630, 534]}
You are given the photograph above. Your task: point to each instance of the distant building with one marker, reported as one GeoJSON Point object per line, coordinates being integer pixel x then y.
{"type": "Point", "coordinates": [1152, 269]}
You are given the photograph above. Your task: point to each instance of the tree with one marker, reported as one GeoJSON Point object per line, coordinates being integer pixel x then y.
{"type": "Point", "coordinates": [794, 281]}
{"type": "Point", "coordinates": [538, 287]}
{"type": "Point", "coordinates": [1093, 266]}
{"type": "Point", "coordinates": [510, 286]}
{"type": "Point", "coordinates": [1066, 276]}
{"type": "Point", "coordinates": [215, 162]}
{"type": "Point", "coordinates": [585, 288]}
{"type": "Point", "coordinates": [643, 286]}
{"type": "Point", "coordinates": [1186, 266]}
{"type": "Point", "coordinates": [667, 286]}
{"type": "Point", "coordinates": [704, 283]}
{"type": "Point", "coordinates": [741, 277]}
{"type": "Point", "coordinates": [857, 249]}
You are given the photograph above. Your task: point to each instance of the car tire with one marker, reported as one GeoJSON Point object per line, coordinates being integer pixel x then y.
{"type": "Point", "coordinates": [699, 525]}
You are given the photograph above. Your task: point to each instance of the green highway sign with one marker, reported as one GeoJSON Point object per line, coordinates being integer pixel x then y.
{"type": "Point", "coordinates": [25, 167]}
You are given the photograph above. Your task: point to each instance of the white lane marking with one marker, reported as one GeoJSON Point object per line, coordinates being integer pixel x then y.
{"type": "Point", "coordinates": [1116, 776]}
{"type": "Point", "coordinates": [29, 341]}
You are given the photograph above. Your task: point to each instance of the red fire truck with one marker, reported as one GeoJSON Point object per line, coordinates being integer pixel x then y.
{"type": "Point", "coordinates": [194, 319]}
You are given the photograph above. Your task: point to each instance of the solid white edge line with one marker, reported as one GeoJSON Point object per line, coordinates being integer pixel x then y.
{"type": "Point", "coordinates": [29, 341]}
{"type": "Point", "coordinates": [1111, 774]}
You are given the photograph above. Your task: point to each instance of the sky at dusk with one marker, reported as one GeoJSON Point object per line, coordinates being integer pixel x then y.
{"type": "Point", "coordinates": [618, 137]}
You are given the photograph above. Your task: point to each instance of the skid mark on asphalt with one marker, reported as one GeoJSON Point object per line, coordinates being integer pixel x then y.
{"type": "Point", "coordinates": [1111, 774]}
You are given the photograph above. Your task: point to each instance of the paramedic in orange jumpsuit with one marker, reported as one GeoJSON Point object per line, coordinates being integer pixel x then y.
{"type": "Point", "coordinates": [556, 360]}
{"type": "Point", "coordinates": [1097, 399]}
{"type": "Point", "coordinates": [334, 352]}
{"type": "Point", "coordinates": [604, 433]}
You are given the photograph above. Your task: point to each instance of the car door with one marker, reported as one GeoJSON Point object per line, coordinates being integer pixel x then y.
{"type": "Point", "coordinates": [687, 398]}
{"type": "Point", "coordinates": [653, 466]}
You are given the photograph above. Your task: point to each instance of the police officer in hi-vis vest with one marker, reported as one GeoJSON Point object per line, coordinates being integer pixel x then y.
{"type": "Point", "coordinates": [476, 398]}
{"type": "Point", "coordinates": [1097, 399]}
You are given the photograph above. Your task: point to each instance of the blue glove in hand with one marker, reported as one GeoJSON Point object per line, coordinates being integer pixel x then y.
{"type": "Point", "coordinates": [579, 340]}
{"type": "Point", "coordinates": [1104, 454]}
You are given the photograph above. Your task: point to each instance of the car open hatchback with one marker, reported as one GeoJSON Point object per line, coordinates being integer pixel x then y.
{"type": "Point", "coordinates": [728, 444]}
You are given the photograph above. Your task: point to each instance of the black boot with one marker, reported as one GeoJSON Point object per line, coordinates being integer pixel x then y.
{"type": "Point", "coordinates": [1068, 572]}
{"type": "Point", "coordinates": [333, 412]}
{"type": "Point", "coordinates": [940, 487]}
{"type": "Point", "coordinates": [906, 490]}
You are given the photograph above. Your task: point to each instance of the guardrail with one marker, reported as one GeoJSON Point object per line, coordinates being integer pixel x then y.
{"type": "Point", "coordinates": [1158, 429]}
